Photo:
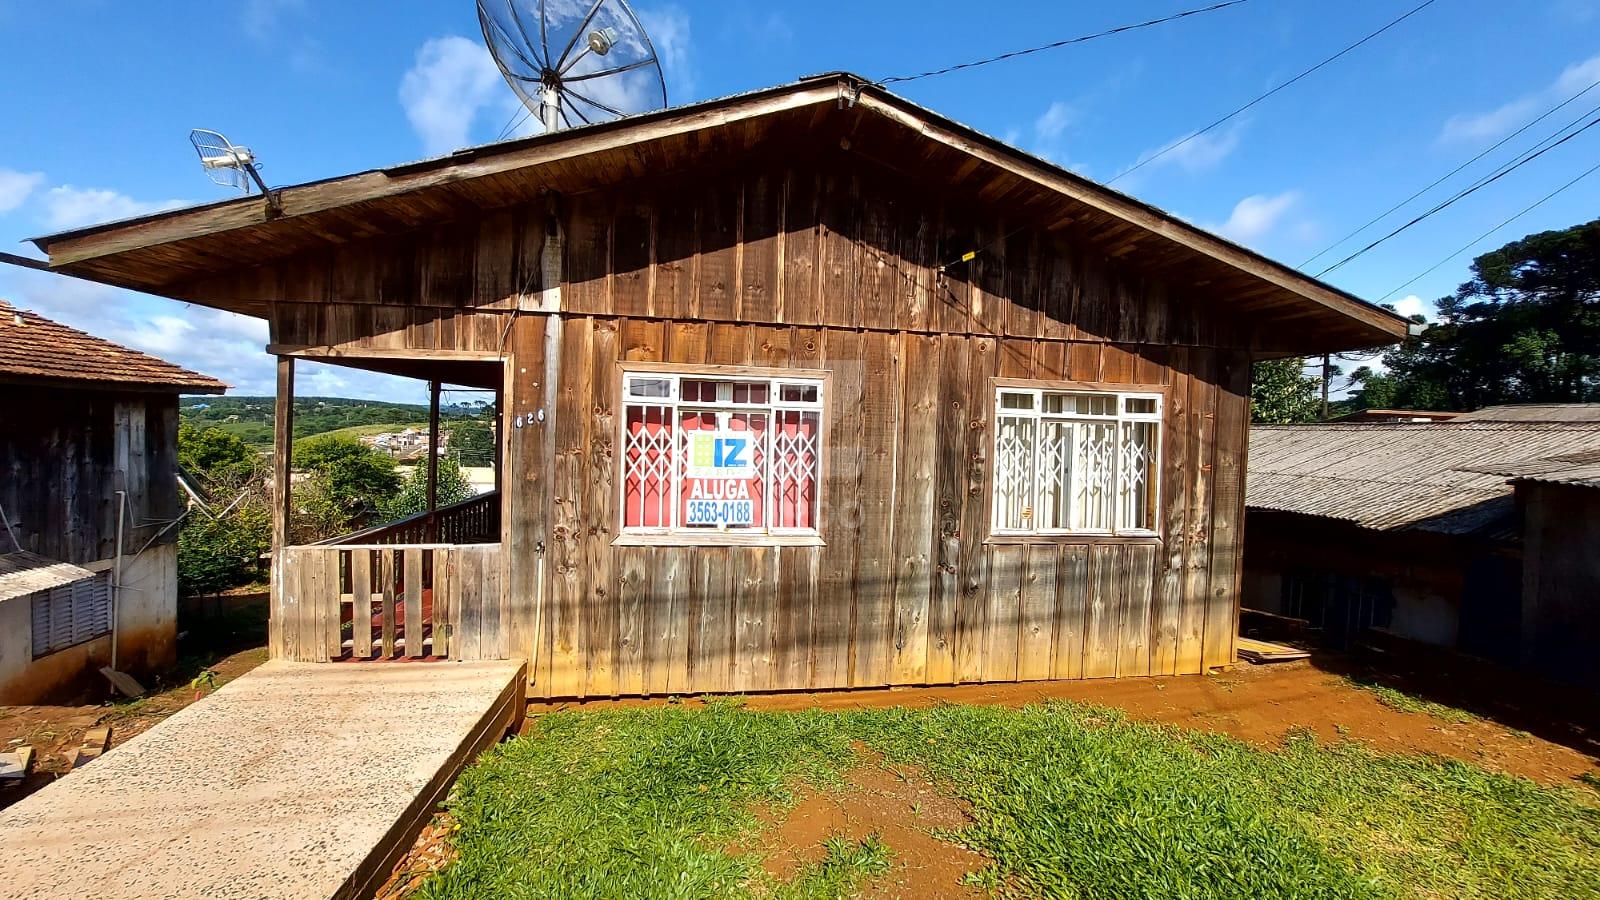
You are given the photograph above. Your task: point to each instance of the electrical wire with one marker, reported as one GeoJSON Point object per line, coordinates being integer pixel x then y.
{"type": "Point", "coordinates": [1482, 183]}
{"type": "Point", "coordinates": [896, 79]}
{"type": "Point", "coordinates": [1443, 178]}
{"type": "Point", "coordinates": [1186, 139]}
{"type": "Point", "coordinates": [1468, 245]}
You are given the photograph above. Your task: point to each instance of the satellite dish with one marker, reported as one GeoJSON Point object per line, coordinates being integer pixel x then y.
{"type": "Point", "coordinates": [574, 62]}
{"type": "Point", "coordinates": [226, 164]}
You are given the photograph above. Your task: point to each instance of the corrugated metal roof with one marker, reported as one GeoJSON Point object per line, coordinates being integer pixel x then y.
{"type": "Point", "coordinates": [1534, 412]}
{"type": "Point", "coordinates": [33, 347]}
{"type": "Point", "coordinates": [1430, 476]}
{"type": "Point", "coordinates": [23, 573]}
{"type": "Point", "coordinates": [1582, 469]}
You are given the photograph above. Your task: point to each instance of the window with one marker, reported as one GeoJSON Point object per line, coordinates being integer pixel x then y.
{"type": "Point", "coordinates": [712, 454]}
{"type": "Point", "coordinates": [1075, 462]}
{"type": "Point", "coordinates": [70, 614]}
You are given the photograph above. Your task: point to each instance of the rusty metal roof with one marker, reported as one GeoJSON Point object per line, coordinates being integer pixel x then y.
{"type": "Point", "coordinates": [37, 350]}
{"type": "Point", "coordinates": [1403, 476]}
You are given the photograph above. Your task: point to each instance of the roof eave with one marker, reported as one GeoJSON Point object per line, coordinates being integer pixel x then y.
{"type": "Point", "coordinates": [80, 245]}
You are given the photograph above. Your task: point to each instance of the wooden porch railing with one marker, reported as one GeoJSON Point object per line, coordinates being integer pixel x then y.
{"type": "Point", "coordinates": [386, 601]}
{"type": "Point", "coordinates": [472, 521]}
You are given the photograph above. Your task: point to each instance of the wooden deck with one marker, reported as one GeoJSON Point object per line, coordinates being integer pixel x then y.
{"type": "Point", "coordinates": [295, 781]}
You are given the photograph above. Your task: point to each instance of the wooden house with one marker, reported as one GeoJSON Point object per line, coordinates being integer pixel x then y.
{"type": "Point", "coordinates": [804, 388]}
{"type": "Point", "coordinates": [88, 433]}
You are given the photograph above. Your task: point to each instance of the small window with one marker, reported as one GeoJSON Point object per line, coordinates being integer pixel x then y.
{"type": "Point", "coordinates": [704, 454]}
{"type": "Point", "coordinates": [1076, 462]}
{"type": "Point", "coordinates": [70, 614]}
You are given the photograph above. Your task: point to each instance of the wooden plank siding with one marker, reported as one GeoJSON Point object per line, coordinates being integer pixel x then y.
{"type": "Point", "coordinates": [908, 587]}
{"type": "Point", "coordinates": [842, 266]}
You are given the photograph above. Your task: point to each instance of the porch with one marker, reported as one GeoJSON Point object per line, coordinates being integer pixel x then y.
{"type": "Point", "coordinates": [424, 588]}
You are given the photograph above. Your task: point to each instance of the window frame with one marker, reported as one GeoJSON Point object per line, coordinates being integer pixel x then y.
{"type": "Point", "coordinates": [721, 536]}
{"type": "Point", "coordinates": [1038, 388]}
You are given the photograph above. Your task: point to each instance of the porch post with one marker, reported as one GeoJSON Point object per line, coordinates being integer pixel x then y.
{"type": "Point", "coordinates": [433, 460]}
{"type": "Point", "coordinates": [282, 502]}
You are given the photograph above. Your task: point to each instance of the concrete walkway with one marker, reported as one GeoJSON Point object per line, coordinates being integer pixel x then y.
{"type": "Point", "coordinates": [297, 780]}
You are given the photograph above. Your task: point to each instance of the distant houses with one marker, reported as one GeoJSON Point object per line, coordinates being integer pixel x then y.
{"type": "Point", "coordinates": [1480, 532]}
{"type": "Point", "coordinates": [91, 507]}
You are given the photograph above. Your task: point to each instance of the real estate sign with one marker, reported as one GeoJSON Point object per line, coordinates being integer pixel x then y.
{"type": "Point", "coordinates": [717, 478]}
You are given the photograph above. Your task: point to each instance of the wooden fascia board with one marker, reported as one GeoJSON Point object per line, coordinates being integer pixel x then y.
{"type": "Point", "coordinates": [1109, 203]}
{"type": "Point", "coordinates": [323, 196]}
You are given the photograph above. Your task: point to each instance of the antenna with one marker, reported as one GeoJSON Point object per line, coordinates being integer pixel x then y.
{"type": "Point", "coordinates": [226, 164]}
{"type": "Point", "coordinates": [573, 62]}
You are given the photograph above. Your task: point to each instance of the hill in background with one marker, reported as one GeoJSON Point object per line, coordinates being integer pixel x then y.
{"type": "Point", "coordinates": [251, 417]}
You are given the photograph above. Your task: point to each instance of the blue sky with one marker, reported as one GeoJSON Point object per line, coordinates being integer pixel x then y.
{"type": "Point", "coordinates": [100, 95]}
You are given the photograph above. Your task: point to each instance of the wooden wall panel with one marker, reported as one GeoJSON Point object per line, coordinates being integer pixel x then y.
{"type": "Point", "coordinates": [907, 587]}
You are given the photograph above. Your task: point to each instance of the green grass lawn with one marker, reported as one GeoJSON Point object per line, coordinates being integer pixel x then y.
{"type": "Point", "coordinates": [1067, 801]}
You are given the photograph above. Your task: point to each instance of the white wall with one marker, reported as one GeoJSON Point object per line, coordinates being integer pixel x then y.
{"type": "Point", "coordinates": [146, 610]}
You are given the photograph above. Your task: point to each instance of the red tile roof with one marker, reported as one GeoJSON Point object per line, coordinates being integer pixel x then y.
{"type": "Point", "coordinates": [35, 349]}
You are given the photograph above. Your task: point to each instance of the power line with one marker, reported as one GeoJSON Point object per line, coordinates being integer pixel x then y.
{"type": "Point", "coordinates": [1443, 178]}
{"type": "Point", "coordinates": [1482, 183]}
{"type": "Point", "coordinates": [1171, 147]}
{"type": "Point", "coordinates": [1063, 43]}
{"type": "Point", "coordinates": [1468, 245]}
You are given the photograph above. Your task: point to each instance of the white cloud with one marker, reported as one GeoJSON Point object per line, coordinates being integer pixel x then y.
{"type": "Point", "coordinates": [261, 18]}
{"type": "Point", "coordinates": [668, 27]}
{"type": "Point", "coordinates": [1489, 125]}
{"type": "Point", "coordinates": [1477, 127]}
{"type": "Point", "coordinates": [1411, 305]}
{"type": "Point", "coordinates": [1053, 122]}
{"type": "Point", "coordinates": [1256, 215]}
{"type": "Point", "coordinates": [453, 80]}
{"type": "Point", "coordinates": [1197, 152]}
{"type": "Point", "coordinates": [66, 206]}
{"type": "Point", "coordinates": [16, 187]}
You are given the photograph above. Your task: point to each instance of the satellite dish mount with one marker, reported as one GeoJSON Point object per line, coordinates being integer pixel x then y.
{"type": "Point", "coordinates": [574, 63]}
{"type": "Point", "coordinates": [231, 166]}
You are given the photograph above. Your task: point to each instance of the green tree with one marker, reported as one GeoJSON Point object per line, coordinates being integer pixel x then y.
{"type": "Point", "coordinates": [413, 496]}
{"type": "Point", "coordinates": [214, 455]}
{"type": "Point", "coordinates": [472, 442]}
{"type": "Point", "coordinates": [1524, 329]}
{"type": "Point", "coordinates": [1281, 393]}
{"type": "Point", "coordinates": [221, 549]}
{"type": "Point", "coordinates": [355, 479]}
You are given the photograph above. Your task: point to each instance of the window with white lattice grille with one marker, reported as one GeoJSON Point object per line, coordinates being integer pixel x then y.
{"type": "Point", "coordinates": [707, 453]}
{"type": "Point", "coordinates": [1075, 461]}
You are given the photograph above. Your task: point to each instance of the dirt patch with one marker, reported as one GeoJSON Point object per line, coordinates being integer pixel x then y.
{"type": "Point", "coordinates": [1257, 704]}
{"type": "Point", "coordinates": [428, 854]}
{"type": "Point", "coordinates": [55, 731]}
{"type": "Point", "coordinates": [901, 807]}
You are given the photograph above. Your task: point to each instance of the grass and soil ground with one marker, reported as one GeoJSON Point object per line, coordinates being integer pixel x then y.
{"type": "Point", "coordinates": [1290, 781]}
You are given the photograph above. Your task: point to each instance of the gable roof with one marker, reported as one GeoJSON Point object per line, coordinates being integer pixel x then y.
{"type": "Point", "coordinates": [160, 253]}
{"type": "Point", "coordinates": [1440, 477]}
{"type": "Point", "coordinates": [36, 350]}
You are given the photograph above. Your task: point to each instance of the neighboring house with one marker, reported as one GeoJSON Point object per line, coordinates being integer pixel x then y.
{"type": "Point", "coordinates": [1396, 415]}
{"type": "Point", "coordinates": [84, 422]}
{"type": "Point", "coordinates": [1559, 499]}
{"type": "Point", "coordinates": [1413, 530]}
{"type": "Point", "coordinates": [804, 388]}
